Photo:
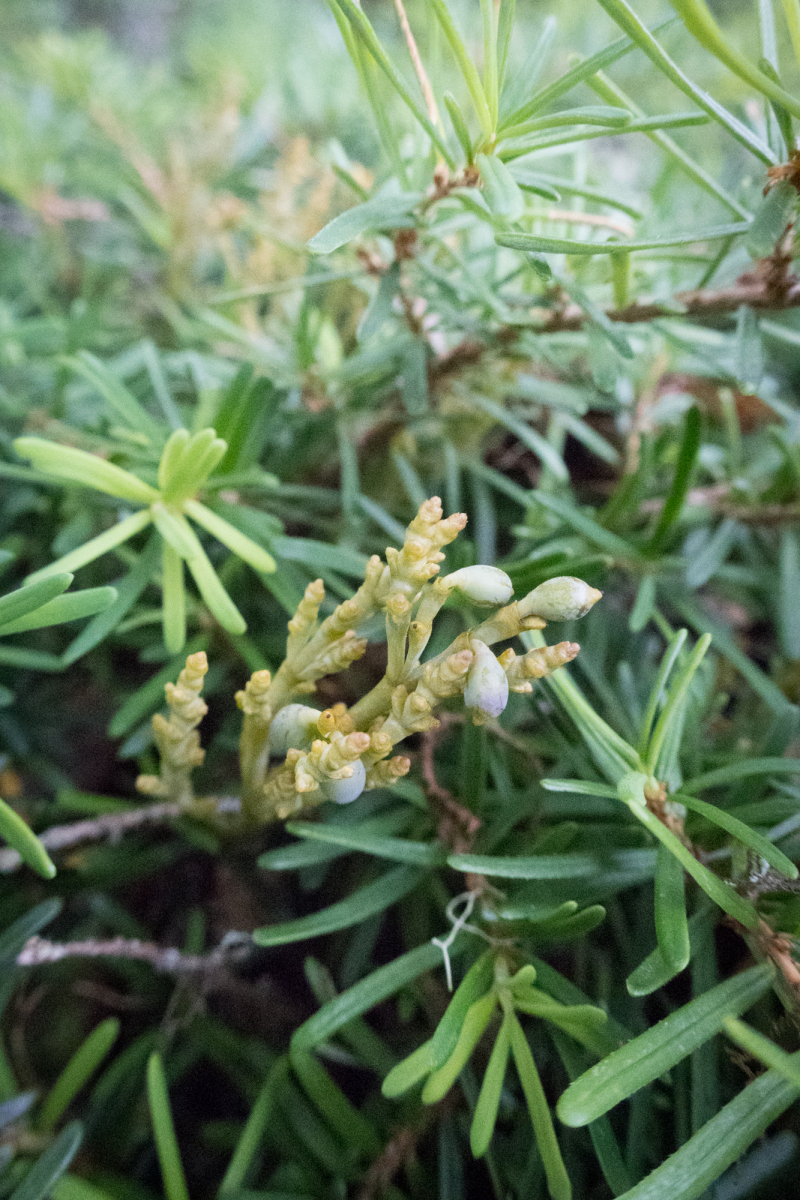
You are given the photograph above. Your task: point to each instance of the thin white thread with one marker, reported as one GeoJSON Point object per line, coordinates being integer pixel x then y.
{"type": "Point", "coordinates": [457, 923]}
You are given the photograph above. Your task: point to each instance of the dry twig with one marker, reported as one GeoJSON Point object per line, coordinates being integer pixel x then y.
{"type": "Point", "coordinates": [38, 951]}
{"type": "Point", "coordinates": [111, 826]}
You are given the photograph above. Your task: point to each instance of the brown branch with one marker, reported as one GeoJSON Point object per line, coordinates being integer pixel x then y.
{"type": "Point", "coordinates": [769, 287]}
{"type": "Point", "coordinates": [457, 827]}
{"type": "Point", "coordinates": [705, 303]}
{"type": "Point", "coordinates": [398, 1151]}
{"type": "Point", "coordinates": [401, 1148]}
{"type": "Point", "coordinates": [38, 951]}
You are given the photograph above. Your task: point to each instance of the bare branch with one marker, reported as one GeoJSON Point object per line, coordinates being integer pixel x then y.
{"type": "Point", "coordinates": [113, 826]}
{"type": "Point", "coordinates": [38, 951]}
{"type": "Point", "coordinates": [769, 287]}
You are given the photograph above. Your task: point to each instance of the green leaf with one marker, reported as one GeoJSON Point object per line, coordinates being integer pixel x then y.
{"type": "Point", "coordinates": [381, 212]}
{"type": "Point", "coordinates": [319, 554]}
{"type": "Point", "coordinates": [771, 220]}
{"type": "Point", "coordinates": [689, 1171]}
{"type": "Point", "coordinates": [245, 412]}
{"type": "Point", "coordinates": [169, 1156]}
{"type": "Point", "coordinates": [416, 854]}
{"type": "Point", "coordinates": [35, 660]}
{"type": "Point", "coordinates": [596, 315]}
{"type": "Point", "coordinates": [643, 606]}
{"type": "Point", "coordinates": [743, 833]}
{"type": "Point", "coordinates": [658, 693]}
{"type": "Point", "coordinates": [723, 894]}
{"type": "Point", "coordinates": [186, 468]}
{"type": "Point", "coordinates": [174, 599]}
{"type": "Point", "coordinates": [32, 596]}
{"type": "Point", "coordinates": [381, 307]}
{"type": "Point", "coordinates": [652, 973]}
{"type": "Point", "coordinates": [171, 456]}
{"type": "Point", "coordinates": [174, 529]}
{"type": "Point", "coordinates": [736, 771]}
{"type": "Point", "coordinates": [71, 1187]}
{"type": "Point", "coordinates": [79, 1069]}
{"type": "Point", "coordinates": [14, 938]}
{"type": "Point", "coordinates": [582, 1022]}
{"type": "Point", "coordinates": [557, 1179]}
{"type": "Point", "coordinates": [158, 379]}
{"type": "Point", "coordinates": [749, 349]}
{"type": "Point", "coordinates": [788, 608]}
{"type": "Point", "coordinates": [485, 1115]}
{"type": "Point", "coordinates": [674, 708]}
{"type": "Point", "coordinates": [87, 470]}
{"type": "Point", "coordinates": [465, 63]}
{"type": "Point", "coordinates": [368, 38]}
{"type": "Point", "coordinates": [476, 1019]}
{"type": "Point", "coordinates": [307, 853]}
{"type": "Point", "coordinates": [129, 588]}
{"type": "Point", "coordinates": [477, 980]}
{"type": "Point", "coordinates": [354, 1129]}
{"type": "Point", "coordinates": [764, 1050]}
{"type": "Point", "coordinates": [580, 787]}
{"type": "Point", "coordinates": [375, 897]}
{"type": "Point", "coordinates": [459, 124]}
{"type": "Point", "coordinates": [604, 1141]}
{"type": "Point", "coordinates": [23, 839]}
{"type": "Point", "coordinates": [705, 562]}
{"type": "Point", "coordinates": [211, 589]}
{"type": "Point", "coordinates": [612, 93]}
{"type": "Point", "coordinates": [253, 1132]}
{"type": "Point", "coordinates": [553, 186]}
{"type": "Point", "coordinates": [672, 927]}
{"type": "Point", "coordinates": [500, 189]}
{"type": "Point", "coordinates": [238, 542]}
{"type": "Point", "coordinates": [627, 20]}
{"type": "Point", "coordinates": [547, 245]}
{"type": "Point", "coordinates": [612, 753]}
{"type": "Point", "coordinates": [724, 644]}
{"type": "Point", "coordinates": [529, 182]}
{"type": "Point", "coordinates": [593, 114]}
{"type": "Point", "coordinates": [529, 143]}
{"type": "Point", "coordinates": [63, 609]}
{"type": "Point", "coordinates": [552, 866]}
{"type": "Point", "coordinates": [648, 1056]}
{"type": "Point", "coordinates": [590, 438]}
{"type": "Point", "coordinates": [568, 927]}
{"type": "Point", "coordinates": [687, 457]}
{"type": "Point", "coordinates": [410, 1071]}
{"type": "Point", "coordinates": [490, 74]}
{"type": "Point", "coordinates": [702, 25]}
{"type": "Point", "coordinates": [528, 436]}
{"type": "Point", "coordinates": [595, 533]}
{"type": "Point", "coordinates": [96, 546]}
{"type": "Point", "coordinates": [365, 994]}
{"type": "Point", "coordinates": [50, 1165]}
{"type": "Point", "coordinates": [121, 401]}
{"type": "Point", "coordinates": [577, 74]}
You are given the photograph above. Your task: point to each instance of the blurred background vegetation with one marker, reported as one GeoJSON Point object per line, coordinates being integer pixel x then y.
{"type": "Point", "coordinates": [162, 167]}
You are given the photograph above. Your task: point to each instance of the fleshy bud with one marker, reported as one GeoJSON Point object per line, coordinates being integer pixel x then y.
{"type": "Point", "coordinates": [482, 585]}
{"type": "Point", "coordinates": [345, 791]}
{"type": "Point", "coordinates": [562, 599]}
{"type": "Point", "coordinates": [487, 686]}
{"type": "Point", "coordinates": [294, 727]}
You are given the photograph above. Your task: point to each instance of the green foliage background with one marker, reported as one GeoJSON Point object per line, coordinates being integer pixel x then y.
{"type": "Point", "coordinates": [162, 171]}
